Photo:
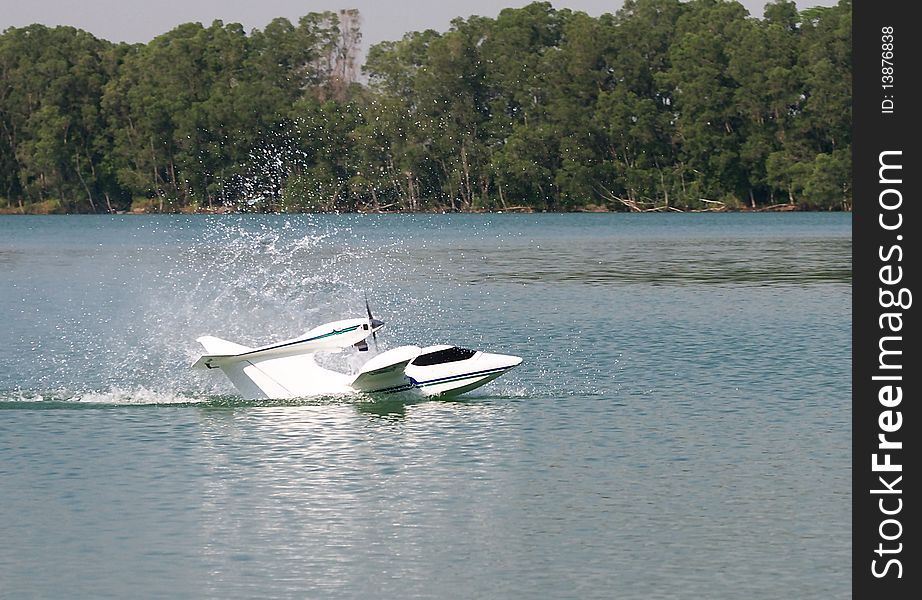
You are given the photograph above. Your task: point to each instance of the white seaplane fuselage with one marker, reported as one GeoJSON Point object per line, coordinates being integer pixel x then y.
{"type": "Point", "coordinates": [288, 369]}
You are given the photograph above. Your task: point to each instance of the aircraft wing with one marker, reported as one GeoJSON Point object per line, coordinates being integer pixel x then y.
{"type": "Point", "coordinates": [386, 370]}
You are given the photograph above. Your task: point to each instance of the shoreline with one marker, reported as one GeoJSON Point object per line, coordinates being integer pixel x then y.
{"type": "Point", "coordinates": [774, 208]}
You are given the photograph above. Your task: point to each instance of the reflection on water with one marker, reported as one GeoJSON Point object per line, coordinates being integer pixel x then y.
{"type": "Point", "coordinates": [614, 262]}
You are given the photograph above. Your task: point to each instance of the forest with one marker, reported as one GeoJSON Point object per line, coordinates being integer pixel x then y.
{"type": "Point", "coordinates": [663, 105]}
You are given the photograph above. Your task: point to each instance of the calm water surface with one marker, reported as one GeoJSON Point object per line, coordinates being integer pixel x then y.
{"type": "Point", "coordinates": [680, 427]}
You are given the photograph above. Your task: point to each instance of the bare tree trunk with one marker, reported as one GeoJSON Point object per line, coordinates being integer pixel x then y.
{"type": "Point", "coordinates": [404, 198]}
{"type": "Point", "coordinates": [345, 53]}
{"type": "Point", "coordinates": [662, 182]}
{"type": "Point", "coordinates": [449, 179]}
{"type": "Point", "coordinates": [411, 190]}
{"type": "Point", "coordinates": [466, 182]}
{"type": "Point", "coordinates": [682, 179]}
{"type": "Point", "coordinates": [89, 194]}
{"type": "Point", "coordinates": [173, 181]}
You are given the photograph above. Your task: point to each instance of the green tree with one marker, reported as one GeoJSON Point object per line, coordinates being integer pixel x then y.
{"type": "Point", "coordinates": [663, 105]}
{"type": "Point", "coordinates": [708, 126]}
{"type": "Point", "coordinates": [52, 82]}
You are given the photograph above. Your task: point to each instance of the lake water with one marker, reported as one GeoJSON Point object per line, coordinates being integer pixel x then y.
{"type": "Point", "coordinates": [680, 427]}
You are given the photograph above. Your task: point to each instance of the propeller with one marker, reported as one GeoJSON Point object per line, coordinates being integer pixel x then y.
{"type": "Point", "coordinates": [375, 323]}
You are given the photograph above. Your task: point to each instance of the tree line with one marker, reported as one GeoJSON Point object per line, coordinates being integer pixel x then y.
{"type": "Point", "coordinates": [663, 105]}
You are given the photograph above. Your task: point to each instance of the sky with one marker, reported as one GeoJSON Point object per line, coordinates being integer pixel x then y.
{"type": "Point", "coordinates": [142, 20]}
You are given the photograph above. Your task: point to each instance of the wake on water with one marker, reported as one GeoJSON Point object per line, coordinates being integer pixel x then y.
{"type": "Point", "coordinates": [252, 280]}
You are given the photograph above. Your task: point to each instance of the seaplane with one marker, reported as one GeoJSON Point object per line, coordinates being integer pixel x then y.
{"type": "Point", "coordinates": [288, 369]}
